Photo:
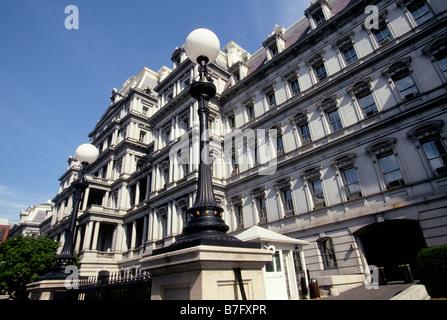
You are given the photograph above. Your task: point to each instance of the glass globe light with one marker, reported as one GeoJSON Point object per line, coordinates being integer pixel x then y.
{"type": "Point", "coordinates": [202, 42]}
{"type": "Point", "coordinates": [87, 153]}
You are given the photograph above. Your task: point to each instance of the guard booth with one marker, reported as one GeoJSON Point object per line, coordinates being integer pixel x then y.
{"type": "Point", "coordinates": [285, 277]}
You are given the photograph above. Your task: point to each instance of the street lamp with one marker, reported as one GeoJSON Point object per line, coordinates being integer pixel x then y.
{"type": "Point", "coordinates": [205, 225]}
{"type": "Point", "coordinates": [85, 154]}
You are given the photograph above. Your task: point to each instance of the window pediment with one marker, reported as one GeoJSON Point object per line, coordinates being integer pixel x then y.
{"type": "Point", "coordinates": [382, 148]}
{"type": "Point", "coordinates": [360, 87]}
{"type": "Point", "coordinates": [312, 173]}
{"type": "Point", "coordinates": [345, 161]}
{"type": "Point", "coordinates": [301, 118]}
{"type": "Point", "coordinates": [284, 184]}
{"type": "Point", "coordinates": [259, 193]}
{"type": "Point", "coordinates": [397, 67]}
{"type": "Point", "coordinates": [426, 130]}
{"type": "Point", "coordinates": [329, 103]}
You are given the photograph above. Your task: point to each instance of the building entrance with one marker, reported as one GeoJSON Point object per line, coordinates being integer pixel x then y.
{"type": "Point", "coordinates": [392, 244]}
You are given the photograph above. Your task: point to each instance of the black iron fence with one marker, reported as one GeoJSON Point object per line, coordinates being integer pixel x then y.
{"type": "Point", "coordinates": [125, 285]}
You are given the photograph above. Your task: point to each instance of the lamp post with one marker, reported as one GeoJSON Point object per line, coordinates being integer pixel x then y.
{"type": "Point", "coordinates": [205, 225]}
{"type": "Point", "coordinates": [86, 154]}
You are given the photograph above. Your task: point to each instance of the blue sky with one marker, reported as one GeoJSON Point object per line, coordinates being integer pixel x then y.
{"type": "Point", "coordinates": [55, 83]}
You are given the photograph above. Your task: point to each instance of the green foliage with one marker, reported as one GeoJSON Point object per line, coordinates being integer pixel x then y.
{"type": "Point", "coordinates": [24, 260]}
{"type": "Point", "coordinates": [432, 266]}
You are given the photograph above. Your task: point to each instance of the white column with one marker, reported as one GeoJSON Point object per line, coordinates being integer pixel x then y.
{"type": "Point", "coordinates": [150, 228]}
{"type": "Point", "coordinates": [145, 228]}
{"type": "Point", "coordinates": [174, 214]}
{"type": "Point", "coordinates": [169, 220]}
{"type": "Point", "coordinates": [78, 239]}
{"type": "Point", "coordinates": [114, 236]}
{"type": "Point", "coordinates": [137, 193]}
{"type": "Point", "coordinates": [86, 194]}
{"type": "Point", "coordinates": [120, 239]}
{"type": "Point", "coordinates": [95, 236]}
{"type": "Point", "coordinates": [134, 235]}
{"type": "Point", "coordinates": [88, 236]}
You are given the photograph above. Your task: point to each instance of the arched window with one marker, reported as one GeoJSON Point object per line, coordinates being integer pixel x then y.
{"type": "Point", "coordinates": [328, 253]}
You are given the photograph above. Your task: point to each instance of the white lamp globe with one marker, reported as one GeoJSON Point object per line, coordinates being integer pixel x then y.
{"type": "Point", "coordinates": [87, 153]}
{"type": "Point", "coordinates": [202, 42]}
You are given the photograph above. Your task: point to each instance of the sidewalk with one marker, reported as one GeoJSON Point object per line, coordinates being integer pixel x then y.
{"type": "Point", "coordinates": [383, 293]}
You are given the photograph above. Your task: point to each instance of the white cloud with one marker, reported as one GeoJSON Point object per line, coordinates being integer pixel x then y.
{"type": "Point", "coordinates": [13, 200]}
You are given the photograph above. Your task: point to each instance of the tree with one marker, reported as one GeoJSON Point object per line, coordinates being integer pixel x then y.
{"type": "Point", "coordinates": [24, 260]}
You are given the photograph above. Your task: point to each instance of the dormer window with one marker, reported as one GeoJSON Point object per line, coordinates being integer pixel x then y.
{"type": "Point", "coordinates": [319, 17]}
{"type": "Point", "coordinates": [274, 50]}
{"type": "Point", "coordinates": [275, 43]}
{"type": "Point", "coordinates": [178, 57]}
{"type": "Point", "coordinates": [318, 12]}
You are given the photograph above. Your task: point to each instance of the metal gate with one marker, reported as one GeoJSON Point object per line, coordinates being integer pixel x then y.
{"type": "Point", "coordinates": [125, 285]}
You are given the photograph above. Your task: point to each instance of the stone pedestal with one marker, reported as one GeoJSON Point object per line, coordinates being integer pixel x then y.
{"type": "Point", "coordinates": [207, 273]}
{"type": "Point", "coordinates": [47, 290]}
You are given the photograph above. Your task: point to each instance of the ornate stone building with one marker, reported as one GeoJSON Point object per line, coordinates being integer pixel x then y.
{"type": "Point", "coordinates": [332, 132]}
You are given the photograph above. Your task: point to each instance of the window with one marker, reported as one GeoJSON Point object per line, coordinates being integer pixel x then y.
{"type": "Point", "coordinates": [284, 187]}
{"type": "Point", "coordinates": [345, 165]}
{"type": "Point", "coordinates": [275, 264]}
{"type": "Point", "coordinates": [258, 196]}
{"type": "Point", "coordinates": [399, 73]}
{"type": "Point", "coordinates": [436, 155]}
{"type": "Point", "coordinates": [142, 136]}
{"type": "Point", "coordinates": [295, 87]}
{"type": "Point", "coordinates": [382, 34]}
{"type": "Point", "coordinates": [271, 99]}
{"type": "Point", "coordinates": [239, 216]}
{"type": "Point", "coordinates": [250, 112]}
{"type": "Point", "coordinates": [301, 120]}
{"type": "Point", "coordinates": [386, 164]}
{"type": "Point", "coordinates": [305, 132]}
{"type": "Point", "coordinates": [328, 253]}
{"type": "Point", "coordinates": [165, 173]}
{"type": "Point", "coordinates": [232, 121]}
{"type": "Point", "coordinates": [405, 84]}
{"type": "Point", "coordinates": [145, 111]}
{"type": "Point", "coordinates": [312, 181]}
{"type": "Point", "coordinates": [320, 71]}
{"type": "Point", "coordinates": [420, 12]}
{"type": "Point", "coordinates": [317, 194]}
{"type": "Point", "coordinates": [430, 145]}
{"type": "Point", "coordinates": [234, 163]}
{"type": "Point", "coordinates": [367, 104]}
{"type": "Point", "coordinates": [274, 50]}
{"type": "Point", "coordinates": [334, 120]}
{"type": "Point", "coordinates": [288, 202]}
{"type": "Point", "coordinates": [350, 55]}
{"type": "Point", "coordinates": [391, 171]}
{"type": "Point", "coordinates": [164, 225]}
{"type": "Point", "coordinates": [351, 183]}
{"type": "Point", "coordinates": [319, 17]}
{"type": "Point", "coordinates": [262, 210]}
{"type": "Point", "coordinates": [442, 60]}
{"type": "Point", "coordinates": [279, 142]}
